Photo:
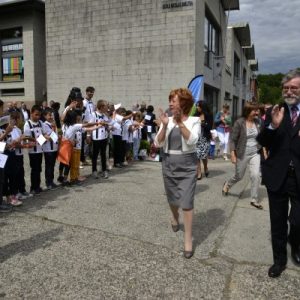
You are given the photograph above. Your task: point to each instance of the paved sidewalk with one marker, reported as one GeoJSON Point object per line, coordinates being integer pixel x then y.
{"type": "Point", "coordinates": [111, 239]}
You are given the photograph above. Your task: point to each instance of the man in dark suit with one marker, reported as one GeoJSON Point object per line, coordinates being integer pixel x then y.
{"type": "Point", "coordinates": [281, 173]}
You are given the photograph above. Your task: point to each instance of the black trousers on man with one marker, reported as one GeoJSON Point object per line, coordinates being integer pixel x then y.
{"type": "Point", "coordinates": [279, 215]}
{"type": "Point", "coordinates": [50, 159]}
{"type": "Point", "coordinates": [35, 160]}
{"type": "Point", "coordinates": [99, 146]}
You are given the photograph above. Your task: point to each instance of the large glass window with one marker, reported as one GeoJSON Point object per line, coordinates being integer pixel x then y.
{"type": "Point", "coordinates": [211, 96]}
{"type": "Point", "coordinates": [235, 107]}
{"type": "Point", "coordinates": [244, 76]}
{"type": "Point", "coordinates": [211, 41]}
{"type": "Point", "coordinates": [12, 68]}
{"type": "Point", "coordinates": [237, 67]}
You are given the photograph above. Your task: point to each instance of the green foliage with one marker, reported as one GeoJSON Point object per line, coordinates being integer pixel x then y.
{"type": "Point", "coordinates": [193, 111]}
{"type": "Point", "coordinates": [269, 88]}
{"type": "Point", "coordinates": [145, 145]}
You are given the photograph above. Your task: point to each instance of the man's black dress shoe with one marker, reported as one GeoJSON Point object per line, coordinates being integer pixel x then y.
{"type": "Point", "coordinates": [295, 253]}
{"type": "Point", "coordinates": [276, 270]}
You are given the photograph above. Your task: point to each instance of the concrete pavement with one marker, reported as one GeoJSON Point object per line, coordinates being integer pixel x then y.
{"type": "Point", "coordinates": [111, 239]}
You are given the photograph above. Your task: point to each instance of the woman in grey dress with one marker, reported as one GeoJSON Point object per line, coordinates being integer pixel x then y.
{"type": "Point", "coordinates": [178, 135]}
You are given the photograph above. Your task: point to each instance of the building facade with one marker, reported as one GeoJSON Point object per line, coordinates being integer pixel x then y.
{"type": "Point", "coordinates": [131, 51]}
{"type": "Point", "coordinates": [138, 50]}
{"type": "Point", "coordinates": [23, 51]}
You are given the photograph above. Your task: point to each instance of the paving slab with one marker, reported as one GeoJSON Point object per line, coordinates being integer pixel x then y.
{"type": "Point", "coordinates": [251, 283]}
{"type": "Point", "coordinates": [41, 259]}
{"type": "Point", "coordinates": [111, 239]}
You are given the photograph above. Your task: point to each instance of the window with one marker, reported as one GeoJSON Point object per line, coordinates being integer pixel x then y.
{"type": "Point", "coordinates": [244, 76]}
{"type": "Point", "coordinates": [237, 67]}
{"type": "Point", "coordinates": [227, 96]}
{"type": "Point", "coordinates": [235, 108]}
{"type": "Point", "coordinates": [211, 41]}
{"type": "Point", "coordinates": [11, 51]}
{"type": "Point", "coordinates": [13, 92]}
{"type": "Point", "coordinates": [211, 96]}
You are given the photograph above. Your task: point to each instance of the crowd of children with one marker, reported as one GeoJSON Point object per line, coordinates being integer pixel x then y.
{"type": "Point", "coordinates": [87, 130]}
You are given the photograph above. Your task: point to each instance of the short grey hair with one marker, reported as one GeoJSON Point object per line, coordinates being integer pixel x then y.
{"type": "Point", "coordinates": [290, 75]}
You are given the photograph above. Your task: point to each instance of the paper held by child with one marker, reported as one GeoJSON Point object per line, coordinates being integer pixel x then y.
{"type": "Point", "coordinates": [41, 140]}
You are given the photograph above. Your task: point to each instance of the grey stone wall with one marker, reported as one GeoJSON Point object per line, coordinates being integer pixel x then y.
{"type": "Point", "coordinates": [129, 50]}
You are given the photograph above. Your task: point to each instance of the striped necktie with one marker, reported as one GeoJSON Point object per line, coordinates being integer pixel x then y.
{"type": "Point", "coordinates": [294, 117]}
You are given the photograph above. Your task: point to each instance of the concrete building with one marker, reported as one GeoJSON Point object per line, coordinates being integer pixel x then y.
{"type": "Point", "coordinates": [130, 51]}
{"type": "Point", "coordinates": [23, 52]}
{"type": "Point", "coordinates": [238, 74]}
{"type": "Point", "coordinates": [137, 50]}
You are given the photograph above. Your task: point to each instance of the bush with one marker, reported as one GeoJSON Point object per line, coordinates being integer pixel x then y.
{"type": "Point", "coordinates": [145, 145]}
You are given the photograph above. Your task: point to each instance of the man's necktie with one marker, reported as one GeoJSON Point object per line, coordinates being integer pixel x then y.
{"type": "Point", "coordinates": [294, 110]}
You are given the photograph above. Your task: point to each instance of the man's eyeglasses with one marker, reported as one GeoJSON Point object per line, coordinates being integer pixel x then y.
{"type": "Point", "coordinates": [291, 88]}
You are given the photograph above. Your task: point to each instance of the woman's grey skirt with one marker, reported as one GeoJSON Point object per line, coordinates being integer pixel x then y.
{"type": "Point", "coordinates": [180, 178]}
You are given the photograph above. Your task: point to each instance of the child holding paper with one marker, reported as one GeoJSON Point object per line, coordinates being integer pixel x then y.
{"type": "Point", "coordinates": [70, 127]}
{"type": "Point", "coordinates": [13, 136]}
{"type": "Point", "coordinates": [34, 128]}
{"type": "Point", "coordinates": [50, 148]}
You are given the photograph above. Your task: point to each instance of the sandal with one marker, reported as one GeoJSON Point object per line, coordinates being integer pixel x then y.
{"type": "Point", "coordinates": [256, 205]}
{"type": "Point", "coordinates": [225, 189]}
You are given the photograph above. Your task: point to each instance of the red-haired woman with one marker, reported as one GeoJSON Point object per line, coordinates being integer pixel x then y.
{"type": "Point", "coordinates": [178, 135]}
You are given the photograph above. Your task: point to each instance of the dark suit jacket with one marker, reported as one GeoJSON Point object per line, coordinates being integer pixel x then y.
{"type": "Point", "coordinates": [283, 145]}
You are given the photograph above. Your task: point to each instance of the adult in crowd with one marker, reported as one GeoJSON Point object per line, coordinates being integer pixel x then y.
{"type": "Point", "coordinates": [223, 124]}
{"type": "Point", "coordinates": [14, 107]}
{"type": "Point", "coordinates": [25, 112]}
{"type": "Point", "coordinates": [56, 106]}
{"type": "Point", "coordinates": [206, 121]}
{"type": "Point", "coordinates": [245, 151]}
{"type": "Point", "coordinates": [281, 173]}
{"type": "Point", "coordinates": [44, 107]}
{"type": "Point", "coordinates": [178, 135]}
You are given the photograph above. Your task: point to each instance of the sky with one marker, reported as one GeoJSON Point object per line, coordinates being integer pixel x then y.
{"type": "Point", "coordinates": [274, 27]}
{"type": "Point", "coordinates": [275, 32]}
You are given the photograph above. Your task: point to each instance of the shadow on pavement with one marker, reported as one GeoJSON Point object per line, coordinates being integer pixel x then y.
{"type": "Point", "coordinates": [26, 246]}
{"type": "Point", "coordinates": [205, 223]}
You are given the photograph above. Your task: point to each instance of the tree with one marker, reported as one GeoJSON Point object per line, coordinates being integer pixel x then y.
{"type": "Point", "coordinates": [269, 88]}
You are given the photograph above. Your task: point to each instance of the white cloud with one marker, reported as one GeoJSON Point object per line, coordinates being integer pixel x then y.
{"type": "Point", "coordinates": [274, 30]}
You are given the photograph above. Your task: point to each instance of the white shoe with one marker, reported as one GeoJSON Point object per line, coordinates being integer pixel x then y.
{"type": "Point", "coordinates": [14, 201]}
{"type": "Point", "coordinates": [225, 157]}
{"type": "Point", "coordinates": [105, 174]}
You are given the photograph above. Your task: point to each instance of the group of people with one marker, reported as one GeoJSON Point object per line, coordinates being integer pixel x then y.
{"type": "Point", "coordinates": [268, 142]}
{"type": "Point", "coordinates": [82, 132]}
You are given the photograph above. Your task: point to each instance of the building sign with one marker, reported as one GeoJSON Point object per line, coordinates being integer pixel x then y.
{"type": "Point", "coordinates": [14, 47]}
{"type": "Point", "coordinates": [176, 4]}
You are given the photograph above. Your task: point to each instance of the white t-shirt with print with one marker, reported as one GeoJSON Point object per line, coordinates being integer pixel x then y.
{"type": "Point", "coordinates": [49, 146]}
{"type": "Point", "coordinates": [69, 131]}
{"type": "Point", "coordinates": [34, 130]}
